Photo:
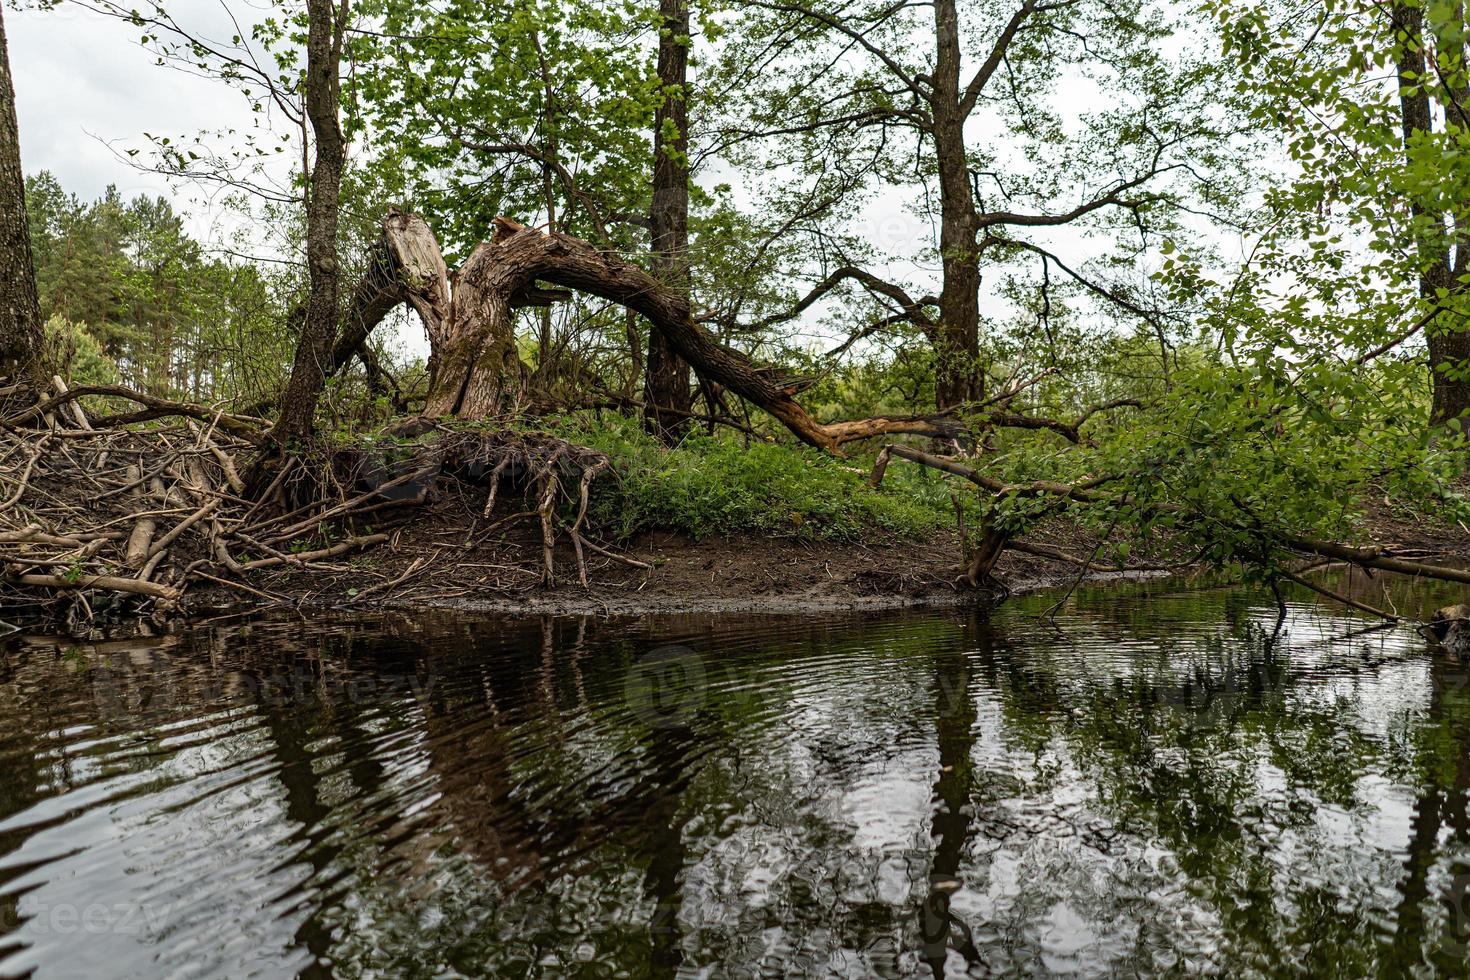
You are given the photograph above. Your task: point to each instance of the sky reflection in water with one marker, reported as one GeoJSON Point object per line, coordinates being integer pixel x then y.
{"type": "Point", "coordinates": [1151, 786]}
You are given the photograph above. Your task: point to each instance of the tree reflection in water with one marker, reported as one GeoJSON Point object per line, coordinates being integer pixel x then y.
{"type": "Point", "coordinates": [1158, 787]}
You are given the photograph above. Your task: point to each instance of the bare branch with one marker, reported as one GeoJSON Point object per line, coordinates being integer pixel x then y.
{"type": "Point", "coordinates": [912, 310]}
{"type": "Point", "coordinates": [911, 82]}
{"type": "Point", "coordinates": [993, 60]}
{"type": "Point", "coordinates": [1112, 198]}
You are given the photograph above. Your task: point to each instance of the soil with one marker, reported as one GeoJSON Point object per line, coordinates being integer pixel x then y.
{"type": "Point", "coordinates": [744, 573]}
{"type": "Point", "coordinates": [439, 559]}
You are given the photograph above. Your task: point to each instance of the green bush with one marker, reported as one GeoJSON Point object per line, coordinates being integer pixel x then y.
{"type": "Point", "coordinates": [716, 485]}
{"type": "Point", "coordinates": [72, 352]}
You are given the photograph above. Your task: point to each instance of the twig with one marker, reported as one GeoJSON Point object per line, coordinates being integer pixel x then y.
{"type": "Point", "coordinates": [1345, 600]}
{"type": "Point", "coordinates": [110, 582]}
{"type": "Point", "coordinates": [365, 541]}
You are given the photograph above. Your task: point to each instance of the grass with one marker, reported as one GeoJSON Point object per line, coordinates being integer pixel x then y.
{"type": "Point", "coordinates": [716, 485]}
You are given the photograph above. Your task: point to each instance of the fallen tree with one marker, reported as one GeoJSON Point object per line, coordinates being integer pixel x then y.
{"type": "Point", "coordinates": [994, 538]}
{"type": "Point", "coordinates": [476, 372]}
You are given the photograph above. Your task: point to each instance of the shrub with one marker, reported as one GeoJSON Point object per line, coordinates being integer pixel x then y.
{"type": "Point", "coordinates": [716, 485]}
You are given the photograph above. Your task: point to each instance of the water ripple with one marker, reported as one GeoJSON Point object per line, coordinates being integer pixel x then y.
{"type": "Point", "coordinates": [1145, 782]}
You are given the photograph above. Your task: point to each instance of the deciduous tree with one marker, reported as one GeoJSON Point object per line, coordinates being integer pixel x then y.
{"type": "Point", "coordinates": [326, 29]}
{"type": "Point", "coordinates": [977, 104]}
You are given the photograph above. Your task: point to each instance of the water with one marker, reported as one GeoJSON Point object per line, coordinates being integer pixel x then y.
{"type": "Point", "coordinates": [1152, 786]}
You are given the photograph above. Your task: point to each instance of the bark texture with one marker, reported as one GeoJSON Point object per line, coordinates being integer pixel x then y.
{"type": "Point", "coordinates": [667, 397]}
{"type": "Point", "coordinates": [314, 348]}
{"type": "Point", "coordinates": [1445, 252]}
{"type": "Point", "coordinates": [405, 266]}
{"type": "Point", "coordinates": [958, 378]}
{"type": "Point", "coordinates": [474, 367]}
{"type": "Point", "coordinates": [20, 307]}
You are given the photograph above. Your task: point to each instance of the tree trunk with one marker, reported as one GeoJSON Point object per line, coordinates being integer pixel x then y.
{"type": "Point", "coordinates": [475, 368]}
{"type": "Point", "coordinates": [406, 266]}
{"type": "Point", "coordinates": [1449, 364]}
{"type": "Point", "coordinates": [20, 306]}
{"type": "Point", "coordinates": [472, 345]}
{"type": "Point", "coordinates": [478, 371]}
{"type": "Point", "coordinates": [958, 379]}
{"type": "Point", "coordinates": [667, 396]}
{"type": "Point", "coordinates": [1451, 344]}
{"type": "Point", "coordinates": [1446, 336]}
{"type": "Point", "coordinates": [319, 329]}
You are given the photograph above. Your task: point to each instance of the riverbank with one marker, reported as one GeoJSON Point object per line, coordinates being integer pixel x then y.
{"type": "Point", "coordinates": [739, 573]}
{"type": "Point", "coordinates": [440, 561]}
{"type": "Point", "coordinates": [111, 528]}
{"type": "Point", "coordinates": [437, 562]}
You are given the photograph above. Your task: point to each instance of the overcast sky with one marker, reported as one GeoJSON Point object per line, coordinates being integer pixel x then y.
{"type": "Point", "coordinates": [83, 82]}
{"type": "Point", "coordinates": [87, 91]}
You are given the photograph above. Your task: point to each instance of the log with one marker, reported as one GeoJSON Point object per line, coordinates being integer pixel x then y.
{"type": "Point", "coordinates": [135, 555]}
{"type": "Point", "coordinates": [111, 582]}
{"type": "Point", "coordinates": [154, 407]}
{"type": "Point", "coordinates": [76, 409]}
{"type": "Point", "coordinates": [341, 548]}
{"type": "Point", "coordinates": [33, 534]}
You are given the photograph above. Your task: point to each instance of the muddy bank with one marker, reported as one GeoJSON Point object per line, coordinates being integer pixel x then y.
{"type": "Point", "coordinates": [442, 564]}
{"type": "Point", "coordinates": [439, 562]}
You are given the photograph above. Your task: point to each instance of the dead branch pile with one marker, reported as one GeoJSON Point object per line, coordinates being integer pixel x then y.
{"type": "Point", "coordinates": [102, 522]}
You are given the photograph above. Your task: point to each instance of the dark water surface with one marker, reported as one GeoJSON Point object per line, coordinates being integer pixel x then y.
{"type": "Point", "coordinates": [1151, 787]}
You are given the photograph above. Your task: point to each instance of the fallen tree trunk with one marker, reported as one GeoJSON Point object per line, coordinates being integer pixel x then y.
{"type": "Point", "coordinates": [113, 583]}
{"type": "Point", "coordinates": [474, 367]}
{"type": "Point", "coordinates": [141, 539]}
{"type": "Point", "coordinates": [154, 408]}
{"type": "Point", "coordinates": [1378, 558]}
{"type": "Point", "coordinates": [963, 420]}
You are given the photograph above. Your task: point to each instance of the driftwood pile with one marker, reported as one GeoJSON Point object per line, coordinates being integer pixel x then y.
{"type": "Point", "coordinates": [101, 520]}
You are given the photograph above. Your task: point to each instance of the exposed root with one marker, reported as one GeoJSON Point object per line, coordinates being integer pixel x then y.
{"type": "Point", "coordinates": [105, 523]}
{"type": "Point", "coordinates": [544, 466]}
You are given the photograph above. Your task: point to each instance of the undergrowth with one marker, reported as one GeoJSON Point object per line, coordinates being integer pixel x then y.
{"type": "Point", "coordinates": [717, 485]}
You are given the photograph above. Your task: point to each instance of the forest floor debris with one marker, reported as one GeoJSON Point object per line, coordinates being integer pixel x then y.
{"type": "Point", "coordinates": [107, 526]}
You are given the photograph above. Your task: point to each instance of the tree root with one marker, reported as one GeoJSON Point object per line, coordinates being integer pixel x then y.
{"type": "Point", "coordinates": [91, 508]}
{"type": "Point", "coordinates": [544, 466]}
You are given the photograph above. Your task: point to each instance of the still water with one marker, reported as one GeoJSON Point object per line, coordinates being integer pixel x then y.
{"type": "Point", "coordinates": [1147, 784]}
